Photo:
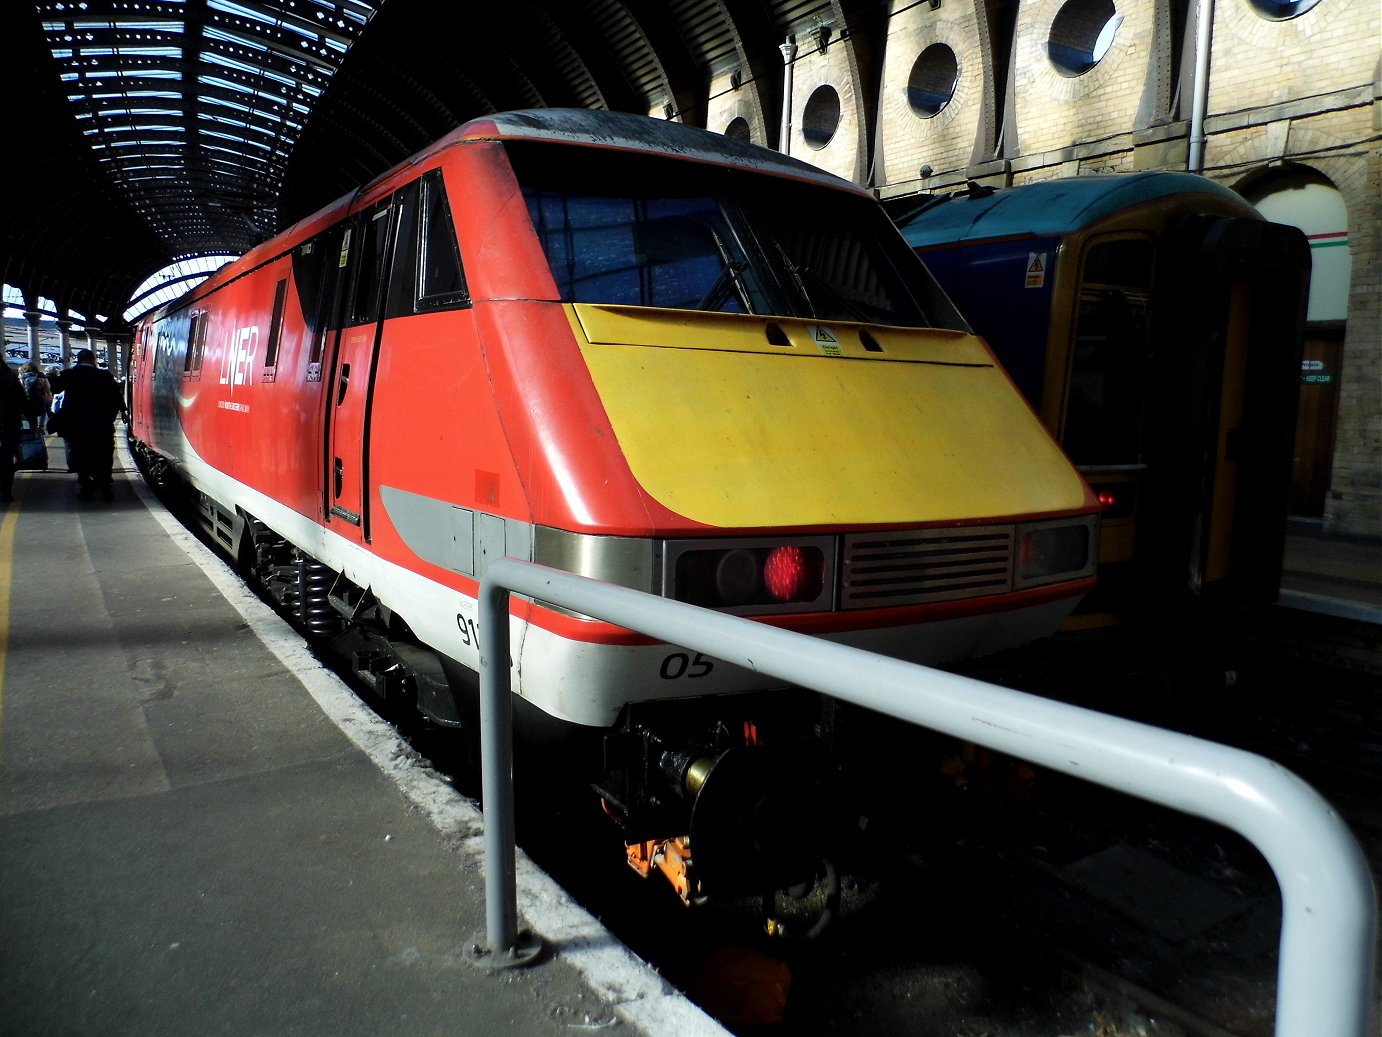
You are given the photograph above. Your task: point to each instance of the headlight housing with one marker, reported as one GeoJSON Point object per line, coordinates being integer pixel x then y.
{"type": "Point", "coordinates": [1050, 552]}
{"type": "Point", "coordinates": [791, 575]}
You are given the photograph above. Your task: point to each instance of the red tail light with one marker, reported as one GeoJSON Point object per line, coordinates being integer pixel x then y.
{"type": "Point", "coordinates": [792, 574]}
{"type": "Point", "coordinates": [744, 577]}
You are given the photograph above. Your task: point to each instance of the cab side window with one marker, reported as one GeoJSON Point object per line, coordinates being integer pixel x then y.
{"type": "Point", "coordinates": [369, 261]}
{"type": "Point", "coordinates": [426, 274]}
{"type": "Point", "coordinates": [440, 281]}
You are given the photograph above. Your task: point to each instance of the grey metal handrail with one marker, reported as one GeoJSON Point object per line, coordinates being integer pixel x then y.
{"type": "Point", "coordinates": [1329, 913]}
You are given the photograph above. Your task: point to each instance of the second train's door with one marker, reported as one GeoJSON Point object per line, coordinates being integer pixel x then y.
{"type": "Point", "coordinates": [363, 261]}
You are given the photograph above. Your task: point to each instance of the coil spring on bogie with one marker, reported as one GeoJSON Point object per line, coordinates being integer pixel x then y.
{"type": "Point", "coordinates": [315, 581]}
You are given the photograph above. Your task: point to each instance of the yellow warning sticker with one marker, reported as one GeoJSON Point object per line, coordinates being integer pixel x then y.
{"type": "Point", "coordinates": [1036, 269]}
{"type": "Point", "coordinates": [826, 341]}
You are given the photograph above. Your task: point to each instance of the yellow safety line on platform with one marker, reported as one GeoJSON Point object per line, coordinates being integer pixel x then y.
{"type": "Point", "coordinates": [7, 527]}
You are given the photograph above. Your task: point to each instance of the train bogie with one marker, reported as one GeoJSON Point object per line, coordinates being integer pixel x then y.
{"type": "Point", "coordinates": [634, 351]}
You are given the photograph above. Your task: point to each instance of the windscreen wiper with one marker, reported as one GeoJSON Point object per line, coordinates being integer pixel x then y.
{"type": "Point", "coordinates": [799, 275]}
{"type": "Point", "coordinates": [727, 278]}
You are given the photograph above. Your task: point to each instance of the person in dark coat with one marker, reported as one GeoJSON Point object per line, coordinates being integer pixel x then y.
{"type": "Point", "coordinates": [90, 403]}
{"type": "Point", "coordinates": [40, 395]}
{"type": "Point", "coordinates": [14, 406]}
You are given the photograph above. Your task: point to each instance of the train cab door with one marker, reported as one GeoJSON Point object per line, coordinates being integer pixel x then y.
{"type": "Point", "coordinates": [1254, 278]}
{"type": "Point", "coordinates": [350, 363]}
{"type": "Point", "coordinates": [1235, 289]}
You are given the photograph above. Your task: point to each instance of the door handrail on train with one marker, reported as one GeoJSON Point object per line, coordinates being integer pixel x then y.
{"type": "Point", "coordinates": [1329, 912]}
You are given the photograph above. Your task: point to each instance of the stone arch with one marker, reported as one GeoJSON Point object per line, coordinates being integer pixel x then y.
{"type": "Point", "coordinates": [730, 99]}
{"type": "Point", "coordinates": [830, 63]}
{"type": "Point", "coordinates": [963, 130]}
{"type": "Point", "coordinates": [1307, 199]}
{"type": "Point", "coordinates": [1052, 109]}
{"type": "Point", "coordinates": [1258, 61]}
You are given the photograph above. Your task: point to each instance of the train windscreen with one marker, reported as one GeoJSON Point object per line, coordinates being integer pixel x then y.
{"type": "Point", "coordinates": [631, 230]}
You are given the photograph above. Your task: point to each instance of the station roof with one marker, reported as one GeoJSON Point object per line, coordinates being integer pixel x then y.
{"type": "Point", "coordinates": [147, 131]}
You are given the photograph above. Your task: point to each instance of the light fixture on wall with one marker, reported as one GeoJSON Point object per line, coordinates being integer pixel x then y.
{"type": "Point", "coordinates": [926, 172]}
{"type": "Point", "coordinates": [822, 36]}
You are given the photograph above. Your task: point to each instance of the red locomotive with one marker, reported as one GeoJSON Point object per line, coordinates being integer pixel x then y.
{"type": "Point", "coordinates": [644, 353]}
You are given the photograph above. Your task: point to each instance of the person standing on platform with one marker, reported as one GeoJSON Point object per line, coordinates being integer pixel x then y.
{"type": "Point", "coordinates": [40, 395]}
{"type": "Point", "coordinates": [14, 405]}
{"type": "Point", "coordinates": [91, 400]}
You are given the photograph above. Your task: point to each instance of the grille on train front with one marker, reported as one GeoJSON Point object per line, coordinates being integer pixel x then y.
{"type": "Point", "coordinates": [909, 568]}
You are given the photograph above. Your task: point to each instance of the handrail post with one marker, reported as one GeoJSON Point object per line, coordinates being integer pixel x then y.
{"type": "Point", "coordinates": [504, 945]}
{"type": "Point", "coordinates": [1329, 910]}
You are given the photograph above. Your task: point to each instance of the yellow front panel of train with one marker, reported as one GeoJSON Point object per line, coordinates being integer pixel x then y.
{"type": "Point", "coordinates": [745, 421]}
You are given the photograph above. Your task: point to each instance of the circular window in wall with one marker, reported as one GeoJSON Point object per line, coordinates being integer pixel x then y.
{"type": "Point", "coordinates": [1281, 10]}
{"type": "Point", "coordinates": [821, 116]}
{"type": "Point", "coordinates": [738, 129]}
{"type": "Point", "coordinates": [932, 82]}
{"type": "Point", "coordinates": [1081, 35]}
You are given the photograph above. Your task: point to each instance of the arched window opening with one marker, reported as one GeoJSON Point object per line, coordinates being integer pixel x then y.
{"type": "Point", "coordinates": [821, 117]}
{"type": "Point", "coordinates": [932, 82]}
{"type": "Point", "coordinates": [1081, 35]}
{"type": "Point", "coordinates": [1281, 10]}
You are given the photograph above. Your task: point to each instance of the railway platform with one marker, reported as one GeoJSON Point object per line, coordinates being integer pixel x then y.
{"type": "Point", "coordinates": [202, 831]}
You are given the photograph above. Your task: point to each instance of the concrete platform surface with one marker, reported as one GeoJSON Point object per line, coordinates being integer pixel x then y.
{"type": "Point", "coordinates": [202, 831]}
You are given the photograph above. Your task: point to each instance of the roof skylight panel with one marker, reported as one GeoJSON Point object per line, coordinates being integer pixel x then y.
{"type": "Point", "coordinates": [284, 19]}
{"type": "Point", "coordinates": [357, 11]}
{"type": "Point", "coordinates": [236, 139]}
{"type": "Point", "coordinates": [116, 112]}
{"type": "Point", "coordinates": [143, 143]}
{"type": "Point", "coordinates": [169, 95]}
{"type": "Point", "coordinates": [274, 119]}
{"type": "Point", "coordinates": [237, 39]}
{"type": "Point", "coordinates": [130, 52]}
{"type": "Point", "coordinates": [240, 11]}
{"type": "Point", "coordinates": [124, 73]}
{"type": "Point", "coordinates": [136, 127]}
{"type": "Point", "coordinates": [127, 24]}
{"type": "Point", "coordinates": [212, 58]}
{"type": "Point", "coordinates": [233, 158]}
{"type": "Point", "coordinates": [266, 129]}
{"type": "Point", "coordinates": [295, 56]}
